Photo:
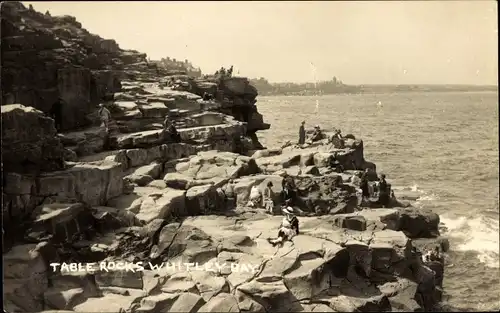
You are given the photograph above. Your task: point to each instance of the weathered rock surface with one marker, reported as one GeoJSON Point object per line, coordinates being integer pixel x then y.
{"type": "Point", "coordinates": [135, 196]}
{"type": "Point", "coordinates": [325, 267]}
{"type": "Point", "coordinates": [29, 148]}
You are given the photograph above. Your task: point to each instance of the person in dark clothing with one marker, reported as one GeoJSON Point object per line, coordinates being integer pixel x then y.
{"type": "Point", "coordinates": [363, 185]}
{"type": "Point", "coordinates": [207, 96]}
{"type": "Point", "coordinates": [288, 185]}
{"type": "Point", "coordinates": [56, 113]}
{"type": "Point", "coordinates": [337, 140]}
{"type": "Point", "coordinates": [302, 134]}
{"type": "Point", "coordinates": [174, 134]}
{"type": "Point", "coordinates": [383, 189]}
{"type": "Point", "coordinates": [334, 163]}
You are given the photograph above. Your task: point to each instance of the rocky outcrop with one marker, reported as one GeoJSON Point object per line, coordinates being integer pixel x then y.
{"type": "Point", "coordinates": [29, 140]}
{"type": "Point", "coordinates": [346, 258]}
{"type": "Point", "coordinates": [134, 195]}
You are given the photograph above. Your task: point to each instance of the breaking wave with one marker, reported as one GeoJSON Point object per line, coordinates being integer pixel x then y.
{"type": "Point", "coordinates": [479, 234]}
{"type": "Point", "coordinates": [474, 234]}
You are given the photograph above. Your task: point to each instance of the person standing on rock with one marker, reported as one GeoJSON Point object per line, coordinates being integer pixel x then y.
{"type": "Point", "coordinates": [267, 198]}
{"type": "Point", "coordinates": [56, 113]}
{"type": "Point", "coordinates": [302, 133]}
{"type": "Point", "coordinates": [105, 116]}
{"type": "Point", "coordinates": [288, 186]}
{"type": "Point", "coordinates": [363, 185]}
{"type": "Point", "coordinates": [383, 189]}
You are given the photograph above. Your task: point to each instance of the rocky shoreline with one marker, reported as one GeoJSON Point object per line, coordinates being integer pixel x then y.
{"type": "Point", "coordinates": [79, 196]}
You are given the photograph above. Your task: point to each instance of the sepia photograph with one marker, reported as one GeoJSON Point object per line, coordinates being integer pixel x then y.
{"type": "Point", "coordinates": [250, 156]}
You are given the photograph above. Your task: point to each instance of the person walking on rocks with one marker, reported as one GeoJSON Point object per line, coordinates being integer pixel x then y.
{"type": "Point", "coordinates": [289, 228]}
{"type": "Point", "coordinates": [105, 116]}
{"type": "Point", "coordinates": [302, 133]}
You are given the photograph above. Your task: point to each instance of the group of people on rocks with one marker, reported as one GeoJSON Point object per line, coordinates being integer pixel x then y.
{"type": "Point", "coordinates": [266, 200]}
{"type": "Point", "coordinates": [223, 73]}
{"type": "Point", "coordinates": [381, 187]}
{"type": "Point", "coordinates": [315, 136]}
{"type": "Point", "coordinates": [336, 139]}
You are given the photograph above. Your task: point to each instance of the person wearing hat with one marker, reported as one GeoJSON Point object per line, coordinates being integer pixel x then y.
{"type": "Point", "coordinates": [289, 227]}
{"type": "Point", "coordinates": [302, 133]}
{"type": "Point", "coordinates": [317, 135]}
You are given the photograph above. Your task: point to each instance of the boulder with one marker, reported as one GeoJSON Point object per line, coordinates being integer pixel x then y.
{"type": "Point", "coordinates": [92, 183]}
{"type": "Point", "coordinates": [221, 303]}
{"type": "Point", "coordinates": [162, 204]}
{"type": "Point", "coordinates": [418, 223]}
{"type": "Point", "coordinates": [33, 148]}
{"type": "Point", "coordinates": [145, 174]}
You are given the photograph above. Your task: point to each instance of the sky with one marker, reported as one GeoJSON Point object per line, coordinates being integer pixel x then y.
{"type": "Point", "coordinates": [367, 42]}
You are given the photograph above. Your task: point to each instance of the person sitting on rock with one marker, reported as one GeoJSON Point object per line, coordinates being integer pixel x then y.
{"type": "Point", "coordinates": [356, 179]}
{"type": "Point", "coordinates": [302, 133]}
{"type": "Point", "coordinates": [207, 96]}
{"type": "Point", "coordinates": [105, 116]}
{"type": "Point", "coordinates": [255, 197]}
{"type": "Point", "coordinates": [337, 139]}
{"type": "Point", "coordinates": [335, 164]}
{"type": "Point", "coordinates": [317, 134]}
{"type": "Point", "coordinates": [170, 130]}
{"type": "Point", "coordinates": [433, 255]}
{"type": "Point", "coordinates": [56, 112]}
{"type": "Point", "coordinates": [289, 228]}
{"type": "Point", "coordinates": [383, 191]}
{"type": "Point", "coordinates": [267, 198]}
{"type": "Point", "coordinates": [230, 195]}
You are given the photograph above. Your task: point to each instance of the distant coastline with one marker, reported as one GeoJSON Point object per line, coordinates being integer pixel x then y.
{"type": "Point", "coordinates": [336, 86]}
